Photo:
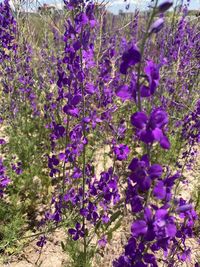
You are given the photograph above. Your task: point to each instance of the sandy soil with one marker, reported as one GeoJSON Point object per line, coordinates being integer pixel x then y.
{"type": "Point", "coordinates": [50, 256]}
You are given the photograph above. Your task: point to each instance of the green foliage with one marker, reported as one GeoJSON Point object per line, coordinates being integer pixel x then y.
{"type": "Point", "coordinates": [26, 142]}
{"type": "Point", "coordinates": [197, 197]}
{"type": "Point", "coordinates": [75, 252]}
{"type": "Point", "coordinates": [12, 227]}
{"type": "Point", "coordinates": [30, 189]}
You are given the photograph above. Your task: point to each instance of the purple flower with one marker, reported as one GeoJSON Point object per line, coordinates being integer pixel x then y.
{"type": "Point", "coordinates": [2, 142]}
{"type": "Point", "coordinates": [17, 168]}
{"type": "Point", "coordinates": [121, 152]}
{"type": "Point", "coordinates": [123, 261]}
{"type": "Point", "coordinates": [124, 92]}
{"type": "Point", "coordinates": [185, 255]}
{"type": "Point", "coordinates": [139, 173]}
{"type": "Point", "coordinates": [150, 258]}
{"type": "Point", "coordinates": [131, 247]}
{"type": "Point", "coordinates": [76, 99]}
{"type": "Point", "coordinates": [121, 130]}
{"type": "Point", "coordinates": [102, 242]}
{"type": "Point", "coordinates": [4, 179]}
{"type": "Point", "coordinates": [152, 72]}
{"type": "Point", "coordinates": [158, 118]}
{"type": "Point", "coordinates": [159, 226]}
{"type": "Point", "coordinates": [139, 120]}
{"type": "Point", "coordinates": [108, 187]}
{"type": "Point", "coordinates": [105, 219]}
{"type": "Point", "coordinates": [77, 232]}
{"type": "Point", "coordinates": [151, 130]}
{"type": "Point", "coordinates": [77, 173]}
{"type": "Point", "coordinates": [90, 212]}
{"type": "Point", "coordinates": [41, 242]}
{"type": "Point", "coordinates": [129, 58]}
{"type": "Point", "coordinates": [164, 222]}
{"type": "Point", "coordinates": [155, 171]}
{"type": "Point", "coordinates": [71, 110]}
{"type": "Point", "coordinates": [59, 131]}
{"type": "Point", "coordinates": [159, 190]}
{"type": "Point", "coordinates": [90, 88]}
{"type": "Point", "coordinates": [139, 227]}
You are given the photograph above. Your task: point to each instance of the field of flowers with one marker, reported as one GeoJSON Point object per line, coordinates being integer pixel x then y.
{"type": "Point", "coordinates": [99, 136]}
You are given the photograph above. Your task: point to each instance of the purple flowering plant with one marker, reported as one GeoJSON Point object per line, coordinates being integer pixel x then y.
{"type": "Point", "coordinates": [103, 119]}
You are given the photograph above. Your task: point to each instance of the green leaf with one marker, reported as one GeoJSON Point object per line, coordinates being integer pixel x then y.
{"type": "Point", "coordinates": [113, 218]}
{"type": "Point", "coordinates": [113, 229]}
{"type": "Point", "coordinates": [63, 246]}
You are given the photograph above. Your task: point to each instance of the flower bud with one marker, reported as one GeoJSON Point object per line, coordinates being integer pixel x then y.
{"type": "Point", "coordinates": [165, 6]}
{"type": "Point", "coordinates": [157, 26]}
{"type": "Point", "coordinates": [184, 208]}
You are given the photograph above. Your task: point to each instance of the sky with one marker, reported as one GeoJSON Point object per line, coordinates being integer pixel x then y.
{"type": "Point", "coordinates": [115, 5]}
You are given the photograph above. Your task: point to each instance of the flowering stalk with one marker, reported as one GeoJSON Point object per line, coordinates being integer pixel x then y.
{"type": "Point", "coordinates": [145, 182]}
{"type": "Point", "coordinates": [75, 95]}
{"type": "Point", "coordinates": [84, 156]}
{"type": "Point", "coordinates": [143, 42]}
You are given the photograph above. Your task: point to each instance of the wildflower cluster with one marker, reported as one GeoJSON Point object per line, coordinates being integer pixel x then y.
{"type": "Point", "coordinates": [104, 124]}
{"type": "Point", "coordinates": [4, 179]}
{"type": "Point", "coordinates": [158, 223]}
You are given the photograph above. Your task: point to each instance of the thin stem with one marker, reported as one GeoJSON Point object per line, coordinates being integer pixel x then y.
{"type": "Point", "coordinates": [64, 165]}
{"type": "Point", "coordinates": [142, 52]}
{"type": "Point", "coordinates": [84, 159]}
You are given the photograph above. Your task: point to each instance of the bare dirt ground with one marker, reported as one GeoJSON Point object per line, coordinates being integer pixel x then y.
{"type": "Point", "coordinates": [50, 256]}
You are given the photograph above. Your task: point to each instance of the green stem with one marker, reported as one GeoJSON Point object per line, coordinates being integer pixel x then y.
{"type": "Point", "coordinates": [142, 52]}
{"type": "Point", "coordinates": [84, 161]}
{"type": "Point", "coordinates": [64, 165]}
